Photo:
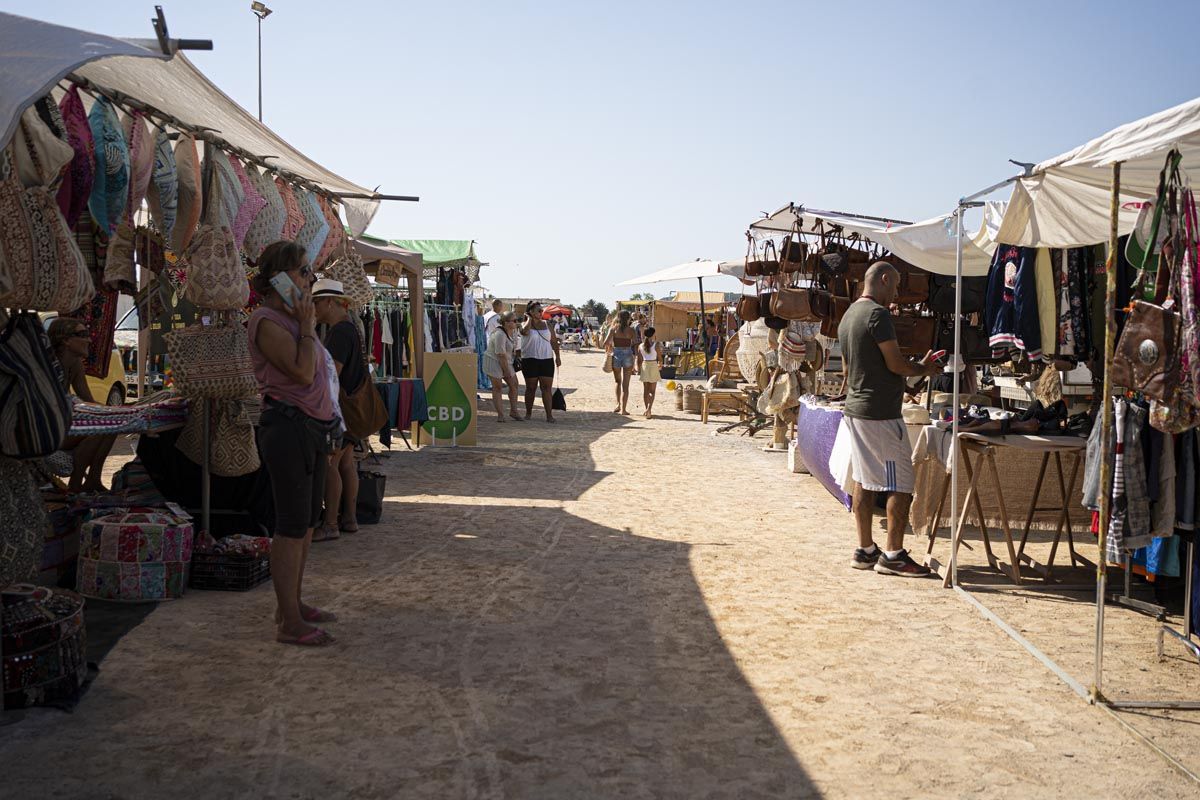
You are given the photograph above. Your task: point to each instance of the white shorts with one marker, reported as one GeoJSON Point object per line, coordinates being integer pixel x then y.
{"type": "Point", "coordinates": [880, 456]}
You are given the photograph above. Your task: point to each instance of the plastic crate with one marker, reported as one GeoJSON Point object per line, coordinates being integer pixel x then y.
{"type": "Point", "coordinates": [228, 572]}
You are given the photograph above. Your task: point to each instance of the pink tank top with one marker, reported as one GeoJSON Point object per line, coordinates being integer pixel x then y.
{"type": "Point", "coordinates": [314, 399]}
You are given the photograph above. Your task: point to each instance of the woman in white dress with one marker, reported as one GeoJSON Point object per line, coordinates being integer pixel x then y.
{"type": "Point", "coordinates": [649, 358]}
{"type": "Point", "coordinates": [498, 365]}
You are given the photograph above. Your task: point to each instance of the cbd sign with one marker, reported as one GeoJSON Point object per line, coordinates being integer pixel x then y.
{"type": "Point", "coordinates": [450, 382]}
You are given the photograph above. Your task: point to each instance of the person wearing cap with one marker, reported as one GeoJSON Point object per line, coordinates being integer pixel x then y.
{"type": "Point", "coordinates": [345, 345]}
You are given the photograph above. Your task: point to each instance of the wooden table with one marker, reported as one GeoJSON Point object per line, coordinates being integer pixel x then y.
{"type": "Point", "coordinates": [978, 453]}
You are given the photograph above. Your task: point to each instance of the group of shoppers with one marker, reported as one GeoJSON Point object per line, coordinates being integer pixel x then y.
{"type": "Point", "coordinates": [530, 346]}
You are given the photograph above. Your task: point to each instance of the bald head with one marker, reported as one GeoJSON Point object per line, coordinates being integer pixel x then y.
{"type": "Point", "coordinates": [881, 282]}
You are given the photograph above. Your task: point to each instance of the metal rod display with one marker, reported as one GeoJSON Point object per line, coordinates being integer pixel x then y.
{"type": "Point", "coordinates": [1106, 423]}
{"type": "Point", "coordinates": [956, 532]}
{"type": "Point", "coordinates": [703, 328]}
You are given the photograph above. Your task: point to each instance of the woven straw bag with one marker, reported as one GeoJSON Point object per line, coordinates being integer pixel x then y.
{"type": "Point", "coordinates": [216, 278]}
{"type": "Point", "coordinates": [41, 267]}
{"type": "Point", "coordinates": [212, 361]}
{"type": "Point", "coordinates": [349, 270]}
{"type": "Point", "coordinates": [233, 449]}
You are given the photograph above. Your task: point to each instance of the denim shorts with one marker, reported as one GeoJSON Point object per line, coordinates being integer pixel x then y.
{"type": "Point", "coordinates": [622, 358]}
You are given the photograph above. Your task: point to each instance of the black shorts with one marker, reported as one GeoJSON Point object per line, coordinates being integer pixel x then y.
{"type": "Point", "coordinates": [534, 368]}
{"type": "Point", "coordinates": [297, 465]}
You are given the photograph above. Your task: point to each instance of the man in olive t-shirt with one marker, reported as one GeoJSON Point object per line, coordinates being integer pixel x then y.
{"type": "Point", "coordinates": [879, 451]}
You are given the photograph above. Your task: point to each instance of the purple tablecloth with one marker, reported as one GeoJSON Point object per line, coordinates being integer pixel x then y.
{"type": "Point", "coordinates": [816, 431]}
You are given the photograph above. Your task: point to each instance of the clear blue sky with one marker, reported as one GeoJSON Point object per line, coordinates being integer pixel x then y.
{"type": "Point", "coordinates": [584, 143]}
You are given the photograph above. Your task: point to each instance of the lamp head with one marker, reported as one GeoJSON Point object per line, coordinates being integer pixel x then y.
{"type": "Point", "coordinates": [260, 9]}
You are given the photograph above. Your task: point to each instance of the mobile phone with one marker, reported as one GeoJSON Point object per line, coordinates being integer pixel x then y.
{"type": "Point", "coordinates": [937, 356]}
{"type": "Point", "coordinates": [283, 283]}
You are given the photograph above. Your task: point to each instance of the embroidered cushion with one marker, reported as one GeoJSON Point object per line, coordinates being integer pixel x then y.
{"type": "Point", "coordinates": [77, 182]}
{"type": "Point", "coordinates": [163, 193]}
{"type": "Point", "coordinates": [190, 200]}
{"type": "Point", "coordinates": [110, 187]}
{"type": "Point", "coordinates": [135, 554]}
{"type": "Point", "coordinates": [291, 204]}
{"type": "Point", "coordinates": [141, 160]}
{"type": "Point", "coordinates": [252, 202]}
{"type": "Point", "coordinates": [267, 227]}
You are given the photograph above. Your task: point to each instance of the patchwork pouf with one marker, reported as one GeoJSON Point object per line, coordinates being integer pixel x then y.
{"type": "Point", "coordinates": [135, 554]}
{"type": "Point", "coordinates": [44, 646]}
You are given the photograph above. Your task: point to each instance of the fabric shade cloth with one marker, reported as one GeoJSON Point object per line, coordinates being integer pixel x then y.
{"type": "Point", "coordinates": [371, 249]}
{"type": "Point", "coordinates": [36, 55]}
{"type": "Point", "coordinates": [929, 245]}
{"type": "Point", "coordinates": [1065, 201]}
{"type": "Point", "coordinates": [691, 270]}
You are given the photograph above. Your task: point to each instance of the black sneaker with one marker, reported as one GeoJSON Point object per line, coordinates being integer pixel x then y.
{"type": "Point", "coordinates": [864, 560]}
{"type": "Point", "coordinates": [902, 565]}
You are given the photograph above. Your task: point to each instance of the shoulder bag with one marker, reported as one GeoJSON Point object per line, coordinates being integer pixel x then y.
{"type": "Point", "coordinates": [35, 413]}
{"type": "Point", "coordinates": [363, 410]}
{"type": "Point", "coordinates": [212, 361]}
{"type": "Point", "coordinates": [216, 279]}
{"type": "Point", "coordinates": [233, 448]}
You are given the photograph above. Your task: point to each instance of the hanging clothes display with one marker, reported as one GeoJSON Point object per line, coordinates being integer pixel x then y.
{"type": "Point", "coordinates": [1011, 308]}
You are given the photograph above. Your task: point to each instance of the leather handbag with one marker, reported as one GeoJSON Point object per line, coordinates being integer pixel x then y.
{"type": "Point", "coordinates": [41, 266]}
{"type": "Point", "coordinates": [35, 413]}
{"type": "Point", "coordinates": [792, 303]}
{"type": "Point", "coordinates": [914, 334]}
{"type": "Point", "coordinates": [821, 303]}
{"type": "Point", "coordinates": [793, 254]}
{"type": "Point", "coordinates": [216, 279]}
{"type": "Point", "coordinates": [363, 410]}
{"type": "Point", "coordinates": [942, 290]}
{"type": "Point", "coordinates": [914, 286]}
{"type": "Point", "coordinates": [763, 267]}
{"type": "Point", "coordinates": [233, 448]}
{"type": "Point", "coordinates": [1147, 357]}
{"type": "Point", "coordinates": [212, 361]}
{"type": "Point", "coordinates": [974, 340]}
{"type": "Point", "coordinates": [747, 308]}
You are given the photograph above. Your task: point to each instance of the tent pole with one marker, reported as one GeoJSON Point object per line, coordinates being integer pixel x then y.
{"type": "Point", "coordinates": [703, 329]}
{"type": "Point", "coordinates": [956, 530]}
{"type": "Point", "coordinates": [1106, 426]}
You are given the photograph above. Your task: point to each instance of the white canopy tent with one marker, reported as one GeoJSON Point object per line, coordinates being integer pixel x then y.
{"type": "Point", "coordinates": [930, 245]}
{"type": "Point", "coordinates": [1065, 201]}
{"type": "Point", "coordinates": [691, 270]}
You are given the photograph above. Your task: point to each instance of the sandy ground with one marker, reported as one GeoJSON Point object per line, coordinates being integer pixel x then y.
{"type": "Point", "coordinates": [609, 607]}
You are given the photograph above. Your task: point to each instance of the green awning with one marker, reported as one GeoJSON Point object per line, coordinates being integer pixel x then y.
{"type": "Point", "coordinates": [441, 252]}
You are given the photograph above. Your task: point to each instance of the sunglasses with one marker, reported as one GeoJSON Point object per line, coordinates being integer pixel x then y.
{"type": "Point", "coordinates": [305, 271]}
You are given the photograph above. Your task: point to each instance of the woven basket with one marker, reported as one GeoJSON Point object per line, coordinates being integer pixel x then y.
{"type": "Point", "coordinates": [692, 399]}
{"type": "Point", "coordinates": [679, 398]}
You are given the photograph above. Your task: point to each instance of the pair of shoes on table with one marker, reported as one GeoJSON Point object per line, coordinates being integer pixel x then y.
{"type": "Point", "coordinates": [902, 565]}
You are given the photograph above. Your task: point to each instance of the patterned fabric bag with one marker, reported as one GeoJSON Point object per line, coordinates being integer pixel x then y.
{"type": "Point", "coordinates": [190, 197]}
{"type": "Point", "coordinates": [227, 184]}
{"type": "Point", "coordinates": [312, 236]}
{"type": "Point", "coordinates": [349, 270]}
{"type": "Point", "coordinates": [212, 361]}
{"type": "Point", "coordinates": [141, 160]}
{"type": "Point", "coordinates": [119, 273]}
{"type": "Point", "coordinates": [291, 205]}
{"type": "Point", "coordinates": [268, 225]}
{"type": "Point", "coordinates": [110, 186]}
{"type": "Point", "coordinates": [216, 278]}
{"type": "Point", "coordinates": [233, 449]}
{"type": "Point", "coordinates": [24, 523]}
{"type": "Point", "coordinates": [251, 204]}
{"type": "Point", "coordinates": [163, 193]}
{"type": "Point", "coordinates": [41, 267]}
{"type": "Point", "coordinates": [334, 242]}
{"type": "Point", "coordinates": [35, 413]}
{"type": "Point", "coordinates": [42, 151]}
{"type": "Point", "coordinates": [77, 183]}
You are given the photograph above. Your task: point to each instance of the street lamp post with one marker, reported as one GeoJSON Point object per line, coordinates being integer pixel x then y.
{"type": "Point", "coordinates": [262, 12]}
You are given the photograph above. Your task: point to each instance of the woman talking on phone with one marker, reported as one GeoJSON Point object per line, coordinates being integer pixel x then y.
{"type": "Point", "coordinates": [539, 357]}
{"type": "Point", "coordinates": [300, 427]}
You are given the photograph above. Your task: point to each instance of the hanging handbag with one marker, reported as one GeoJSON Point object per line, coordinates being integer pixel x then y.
{"type": "Point", "coordinates": [834, 260]}
{"type": "Point", "coordinates": [747, 308]}
{"type": "Point", "coordinates": [792, 303]}
{"type": "Point", "coordinates": [763, 267]}
{"type": "Point", "coordinates": [348, 269]}
{"type": "Point", "coordinates": [1147, 358]}
{"type": "Point", "coordinates": [119, 273]}
{"type": "Point", "coordinates": [941, 290]}
{"type": "Point", "coordinates": [41, 267]}
{"type": "Point", "coordinates": [35, 413]}
{"type": "Point", "coordinates": [914, 334]}
{"type": "Point", "coordinates": [793, 253]}
{"type": "Point", "coordinates": [372, 488]}
{"type": "Point", "coordinates": [233, 448]}
{"type": "Point", "coordinates": [212, 361]}
{"type": "Point", "coordinates": [216, 278]}
{"type": "Point", "coordinates": [914, 285]}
